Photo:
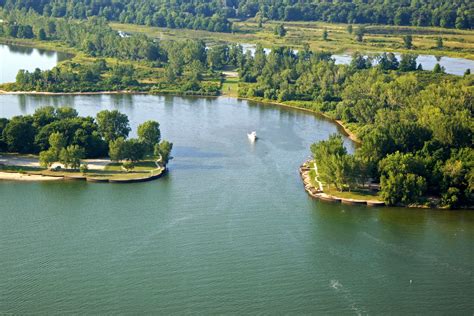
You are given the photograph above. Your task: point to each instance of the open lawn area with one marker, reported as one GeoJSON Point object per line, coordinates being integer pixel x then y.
{"type": "Point", "coordinates": [457, 43]}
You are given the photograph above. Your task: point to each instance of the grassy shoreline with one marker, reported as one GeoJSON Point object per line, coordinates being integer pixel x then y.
{"type": "Point", "coordinates": [113, 172]}
{"type": "Point", "coordinates": [457, 43]}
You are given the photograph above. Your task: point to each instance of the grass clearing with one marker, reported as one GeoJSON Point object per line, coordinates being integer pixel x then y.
{"type": "Point", "coordinates": [457, 43]}
{"type": "Point", "coordinates": [230, 87]}
{"type": "Point", "coordinates": [358, 194]}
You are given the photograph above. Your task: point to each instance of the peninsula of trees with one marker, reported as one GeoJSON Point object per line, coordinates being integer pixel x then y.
{"type": "Point", "coordinates": [61, 135]}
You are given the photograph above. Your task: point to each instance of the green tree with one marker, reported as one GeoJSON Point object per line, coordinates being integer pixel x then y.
{"type": "Point", "coordinates": [47, 158]}
{"type": "Point", "coordinates": [117, 149]}
{"type": "Point", "coordinates": [438, 69]}
{"type": "Point", "coordinates": [57, 142]}
{"type": "Point", "coordinates": [398, 188]}
{"type": "Point", "coordinates": [325, 34]}
{"type": "Point", "coordinates": [280, 30]}
{"type": "Point", "coordinates": [128, 165]}
{"type": "Point", "coordinates": [134, 150]}
{"type": "Point", "coordinates": [71, 156]}
{"type": "Point", "coordinates": [149, 134]}
{"type": "Point", "coordinates": [359, 33]}
{"type": "Point", "coordinates": [439, 42]}
{"type": "Point", "coordinates": [42, 34]}
{"type": "Point", "coordinates": [402, 179]}
{"type": "Point", "coordinates": [112, 125]}
{"type": "Point", "coordinates": [84, 168]}
{"type": "Point", "coordinates": [408, 41]}
{"type": "Point", "coordinates": [349, 29]}
{"type": "Point", "coordinates": [408, 62]}
{"type": "Point", "coordinates": [19, 135]}
{"type": "Point", "coordinates": [163, 151]}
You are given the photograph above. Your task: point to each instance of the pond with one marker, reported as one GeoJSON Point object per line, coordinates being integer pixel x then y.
{"type": "Point", "coordinates": [228, 230]}
{"type": "Point", "coordinates": [13, 58]}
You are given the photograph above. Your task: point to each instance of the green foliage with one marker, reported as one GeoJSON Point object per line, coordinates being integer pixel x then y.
{"type": "Point", "coordinates": [402, 179]}
{"type": "Point", "coordinates": [408, 62]}
{"type": "Point", "coordinates": [213, 15]}
{"type": "Point", "coordinates": [163, 150]}
{"type": "Point", "coordinates": [57, 141]}
{"type": "Point", "coordinates": [280, 30]}
{"type": "Point", "coordinates": [402, 189]}
{"type": "Point", "coordinates": [71, 156]}
{"type": "Point", "coordinates": [325, 34]}
{"type": "Point", "coordinates": [47, 158]}
{"type": "Point", "coordinates": [439, 43]}
{"type": "Point", "coordinates": [84, 168]}
{"type": "Point", "coordinates": [149, 134]}
{"type": "Point", "coordinates": [19, 135]}
{"type": "Point", "coordinates": [130, 150]}
{"type": "Point", "coordinates": [359, 33]}
{"type": "Point", "coordinates": [438, 69]}
{"type": "Point", "coordinates": [408, 41]}
{"type": "Point", "coordinates": [129, 165]}
{"type": "Point", "coordinates": [335, 166]}
{"type": "Point", "coordinates": [112, 125]}
{"type": "Point", "coordinates": [349, 29]}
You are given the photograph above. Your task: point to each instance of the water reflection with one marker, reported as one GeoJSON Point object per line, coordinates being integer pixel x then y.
{"type": "Point", "coordinates": [13, 58]}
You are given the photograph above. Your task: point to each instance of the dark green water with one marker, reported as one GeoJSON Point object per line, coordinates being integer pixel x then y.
{"type": "Point", "coordinates": [229, 230]}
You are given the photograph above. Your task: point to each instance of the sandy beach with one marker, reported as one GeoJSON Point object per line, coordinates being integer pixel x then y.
{"type": "Point", "coordinates": [14, 176]}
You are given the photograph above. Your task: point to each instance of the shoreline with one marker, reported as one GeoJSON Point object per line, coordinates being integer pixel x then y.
{"type": "Point", "coordinates": [16, 176]}
{"type": "Point", "coordinates": [71, 93]}
{"type": "Point", "coordinates": [32, 177]}
{"type": "Point", "coordinates": [319, 194]}
{"type": "Point", "coordinates": [351, 135]}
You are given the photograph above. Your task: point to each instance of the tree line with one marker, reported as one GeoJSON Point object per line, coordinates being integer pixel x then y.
{"type": "Point", "coordinates": [61, 135]}
{"type": "Point", "coordinates": [196, 14]}
{"type": "Point", "coordinates": [415, 126]}
{"type": "Point", "coordinates": [213, 15]}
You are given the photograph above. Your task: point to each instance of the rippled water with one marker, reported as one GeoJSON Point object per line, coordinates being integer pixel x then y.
{"type": "Point", "coordinates": [229, 230]}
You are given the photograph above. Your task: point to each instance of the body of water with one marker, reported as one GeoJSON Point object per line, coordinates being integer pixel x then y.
{"type": "Point", "coordinates": [13, 58]}
{"type": "Point", "coordinates": [452, 65]}
{"type": "Point", "coordinates": [228, 230]}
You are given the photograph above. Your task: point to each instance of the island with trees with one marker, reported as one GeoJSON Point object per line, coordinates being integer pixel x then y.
{"type": "Point", "coordinates": [415, 127]}
{"type": "Point", "coordinates": [58, 143]}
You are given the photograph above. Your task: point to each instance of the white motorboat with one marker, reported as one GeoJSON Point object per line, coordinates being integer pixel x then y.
{"type": "Point", "coordinates": [252, 136]}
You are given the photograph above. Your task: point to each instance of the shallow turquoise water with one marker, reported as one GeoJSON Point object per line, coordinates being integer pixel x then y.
{"type": "Point", "coordinates": [229, 230]}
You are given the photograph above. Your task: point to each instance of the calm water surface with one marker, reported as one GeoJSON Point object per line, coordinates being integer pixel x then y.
{"type": "Point", "coordinates": [452, 65]}
{"type": "Point", "coordinates": [229, 230]}
{"type": "Point", "coordinates": [13, 58]}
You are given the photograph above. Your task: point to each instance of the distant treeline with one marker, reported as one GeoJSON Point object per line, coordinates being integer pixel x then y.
{"type": "Point", "coordinates": [197, 14]}
{"type": "Point", "coordinates": [213, 15]}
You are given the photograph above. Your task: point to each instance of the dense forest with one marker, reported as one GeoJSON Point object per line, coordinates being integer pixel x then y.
{"type": "Point", "coordinates": [213, 15]}
{"type": "Point", "coordinates": [415, 126]}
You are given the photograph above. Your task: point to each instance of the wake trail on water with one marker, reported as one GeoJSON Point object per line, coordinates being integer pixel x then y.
{"type": "Point", "coordinates": [347, 296]}
{"type": "Point", "coordinates": [150, 237]}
